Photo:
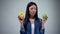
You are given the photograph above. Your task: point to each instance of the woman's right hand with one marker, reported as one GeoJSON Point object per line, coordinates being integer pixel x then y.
{"type": "Point", "coordinates": [21, 21]}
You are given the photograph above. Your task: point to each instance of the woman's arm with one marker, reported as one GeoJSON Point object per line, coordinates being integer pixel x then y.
{"type": "Point", "coordinates": [42, 28]}
{"type": "Point", "coordinates": [43, 21]}
{"type": "Point", "coordinates": [22, 30]}
{"type": "Point", "coordinates": [42, 31]}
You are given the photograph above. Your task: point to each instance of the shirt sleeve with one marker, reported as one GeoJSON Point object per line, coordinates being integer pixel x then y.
{"type": "Point", "coordinates": [22, 31]}
{"type": "Point", "coordinates": [42, 30]}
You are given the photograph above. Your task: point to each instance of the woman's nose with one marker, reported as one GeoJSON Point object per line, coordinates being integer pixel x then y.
{"type": "Point", "coordinates": [33, 10]}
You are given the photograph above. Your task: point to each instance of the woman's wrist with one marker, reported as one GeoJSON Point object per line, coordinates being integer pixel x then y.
{"type": "Point", "coordinates": [42, 26]}
{"type": "Point", "coordinates": [22, 25]}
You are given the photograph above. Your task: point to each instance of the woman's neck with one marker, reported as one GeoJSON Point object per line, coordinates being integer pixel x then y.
{"type": "Point", "coordinates": [32, 20]}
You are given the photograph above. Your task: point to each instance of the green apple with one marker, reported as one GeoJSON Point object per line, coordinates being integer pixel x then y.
{"type": "Point", "coordinates": [44, 16]}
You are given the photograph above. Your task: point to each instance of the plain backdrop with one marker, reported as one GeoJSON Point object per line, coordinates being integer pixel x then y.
{"type": "Point", "coordinates": [9, 9]}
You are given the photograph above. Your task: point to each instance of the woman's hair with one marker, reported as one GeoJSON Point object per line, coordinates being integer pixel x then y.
{"type": "Point", "coordinates": [27, 15]}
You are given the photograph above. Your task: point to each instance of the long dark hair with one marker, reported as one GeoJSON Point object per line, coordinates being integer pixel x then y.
{"type": "Point", "coordinates": [27, 16]}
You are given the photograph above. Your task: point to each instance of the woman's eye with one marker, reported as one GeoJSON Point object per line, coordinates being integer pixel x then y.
{"type": "Point", "coordinates": [33, 8]}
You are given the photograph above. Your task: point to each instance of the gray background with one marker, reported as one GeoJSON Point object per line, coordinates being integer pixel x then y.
{"type": "Point", "coordinates": [9, 9]}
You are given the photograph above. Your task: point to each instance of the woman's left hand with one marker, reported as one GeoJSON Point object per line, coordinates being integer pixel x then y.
{"type": "Point", "coordinates": [43, 22]}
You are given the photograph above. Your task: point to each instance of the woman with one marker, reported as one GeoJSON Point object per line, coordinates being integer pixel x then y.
{"type": "Point", "coordinates": [32, 24]}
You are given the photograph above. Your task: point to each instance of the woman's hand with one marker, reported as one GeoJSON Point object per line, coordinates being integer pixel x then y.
{"type": "Point", "coordinates": [43, 22]}
{"type": "Point", "coordinates": [21, 21]}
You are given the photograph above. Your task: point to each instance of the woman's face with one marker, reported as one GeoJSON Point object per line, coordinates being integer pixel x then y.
{"type": "Point", "coordinates": [32, 10]}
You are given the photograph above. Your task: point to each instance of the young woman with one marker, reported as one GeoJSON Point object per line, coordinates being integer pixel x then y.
{"type": "Point", "coordinates": [32, 24]}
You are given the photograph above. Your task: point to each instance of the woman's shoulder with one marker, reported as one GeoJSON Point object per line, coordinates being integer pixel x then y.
{"type": "Point", "coordinates": [40, 20]}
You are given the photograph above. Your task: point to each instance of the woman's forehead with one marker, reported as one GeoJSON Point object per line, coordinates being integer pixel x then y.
{"type": "Point", "coordinates": [33, 6]}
